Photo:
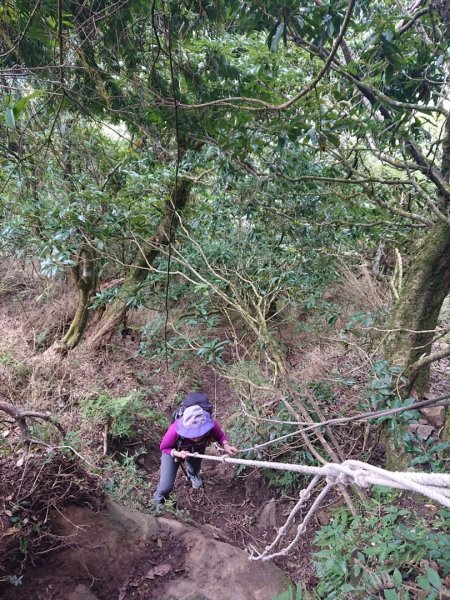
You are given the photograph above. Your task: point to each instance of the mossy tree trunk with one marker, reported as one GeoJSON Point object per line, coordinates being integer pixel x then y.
{"type": "Point", "coordinates": [425, 288]}
{"type": "Point", "coordinates": [415, 316]}
{"type": "Point", "coordinates": [147, 253]}
{"type": "Point", "coordinates": [85, 274]}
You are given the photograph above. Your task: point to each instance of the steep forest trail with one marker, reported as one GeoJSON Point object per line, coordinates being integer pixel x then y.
{"type": "Point", "coordinates": [237, 508]}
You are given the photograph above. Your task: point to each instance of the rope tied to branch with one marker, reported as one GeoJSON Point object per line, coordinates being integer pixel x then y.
{"type": "Point", "coordinates": [435, 486]}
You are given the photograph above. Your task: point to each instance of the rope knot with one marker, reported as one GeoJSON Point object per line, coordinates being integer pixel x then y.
{"type": "Point", "coordinates": [304, 495]}
{"type": "Point", "coordinates": [334, 475]}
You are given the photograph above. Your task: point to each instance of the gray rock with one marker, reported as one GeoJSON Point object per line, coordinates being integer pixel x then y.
{"type": "Point", "coordinates": [423, 432]}
{"type": "Point", "coordinates": [268, 516]}
{"type": "Point", "coordinates": [221, 571]}
{"type": "Point", "coordinates": [435, 415]}
{"type": "Point", "coordinates": [135, 522]}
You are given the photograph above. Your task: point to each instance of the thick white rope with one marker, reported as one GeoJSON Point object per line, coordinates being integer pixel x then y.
{"type": "Point", "coordinates": [433, 485]}
{"type": "Point", "coordinates": [301, 529]}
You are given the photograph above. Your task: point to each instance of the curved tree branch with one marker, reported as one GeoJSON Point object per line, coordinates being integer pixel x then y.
{"type": "Point", "coordinates": [430, 358]}
{"type": "Point", "coordinates": [308, 88]}
{"type": "Point", "coordinates": [21, 416]}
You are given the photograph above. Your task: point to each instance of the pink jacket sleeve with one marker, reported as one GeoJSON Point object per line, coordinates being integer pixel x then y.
{"type": "Point", "coordinates": [169, 440]}
{"type": "Point", "coordinates": [218, 434]}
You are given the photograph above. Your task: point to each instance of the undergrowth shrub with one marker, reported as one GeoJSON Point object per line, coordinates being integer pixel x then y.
{"type": "Point", "coordinates": [381, 394]}
{"type": "Point", "coordinates": [122, 481]}
{"type": "Point", "coordinates": [191, 338]}
{"type": "Point", "coordinates": [390, 552]}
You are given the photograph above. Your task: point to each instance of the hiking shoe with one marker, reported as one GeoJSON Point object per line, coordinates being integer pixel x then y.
{"type": "Point", "coordinates": [196, 481]}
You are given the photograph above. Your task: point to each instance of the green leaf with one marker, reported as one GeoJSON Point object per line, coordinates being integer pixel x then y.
{"type": "Point", "coordinates": [424, 583]}
{"type": "Point", "coordinates": [334, 139]}
{"type": "Point", "coordinates": [23, 102]}
{"type": "Point", "coordinates": [391, 595]}
{"type": "Point", "coordinates": [352, 67]}
{"type": "Point", "coordinates": [281, 143]}
{"type": "Point", "coordinates": [298, 23]}
{"type": "Point", "coordinates": [439, 447]}
{"type": "Point", "coordinates": [9, 118]}
{"type": "Point", "coordinates": [397, 578]}
{"type": "Point", "coordinates": [51, 21]}
{"type": "Point", "coordinates": [433, 578]}
{"type": "Point", "coordinates": [392, 54]}
{"type": "Point", "coordinates": [388, 75]}
{"type": "Point", "coordinates": [274, 40]}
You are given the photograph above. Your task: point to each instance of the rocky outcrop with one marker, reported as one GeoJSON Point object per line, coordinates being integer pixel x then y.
{"type": "Point", "coordinates": [122, 554]}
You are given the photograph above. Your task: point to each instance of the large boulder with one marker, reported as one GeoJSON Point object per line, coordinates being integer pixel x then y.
{"type": "Point", "coordinates": [218, 570]}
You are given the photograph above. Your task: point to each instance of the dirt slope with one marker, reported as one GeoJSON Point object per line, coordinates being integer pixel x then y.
{"type": "Point", "coordinates": [121, 554]}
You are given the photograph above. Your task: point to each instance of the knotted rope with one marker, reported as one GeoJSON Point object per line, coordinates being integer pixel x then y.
{"type": "Point", "coordinates": [433, 485]}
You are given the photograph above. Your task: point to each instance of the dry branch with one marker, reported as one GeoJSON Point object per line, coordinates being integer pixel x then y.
{"type": "Point", "coordinates": [21, 416]}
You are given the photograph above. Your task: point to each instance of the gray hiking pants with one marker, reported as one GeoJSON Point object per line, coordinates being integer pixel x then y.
{"type": "Point", "coordinates": [168, 473]}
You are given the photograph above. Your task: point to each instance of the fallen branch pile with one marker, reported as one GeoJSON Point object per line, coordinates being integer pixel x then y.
{"type": "Point", "coordinates": [29, 496]}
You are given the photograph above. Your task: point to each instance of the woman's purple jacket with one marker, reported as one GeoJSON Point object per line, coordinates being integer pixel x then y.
{"type": "Point", "coordinates": [171, 437]}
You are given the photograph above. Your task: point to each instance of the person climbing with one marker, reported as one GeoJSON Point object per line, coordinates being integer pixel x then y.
{"type": "Point", "coordinates": [192, 432]}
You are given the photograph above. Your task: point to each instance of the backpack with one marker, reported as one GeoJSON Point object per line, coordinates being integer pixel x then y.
{"type": "Point", "coordinates": [191, 399]}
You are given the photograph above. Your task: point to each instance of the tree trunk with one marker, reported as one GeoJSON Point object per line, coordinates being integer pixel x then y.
{"type": "Point", "coordinates": [147, 253]}
{"type": "Point", "coordinates": [426, 286]}
{"type": "Point", "coordinates": [85, 273]}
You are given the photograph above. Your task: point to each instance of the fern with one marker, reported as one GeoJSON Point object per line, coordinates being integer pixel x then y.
{"type": "Point", "coordinates": [372, 556]}
{"type": "Point", "coordinates": [295, 592]}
